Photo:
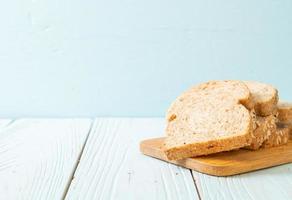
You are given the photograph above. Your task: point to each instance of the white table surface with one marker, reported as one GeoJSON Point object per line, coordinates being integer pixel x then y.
{"type": "Point", "coordinates": [100, 159]}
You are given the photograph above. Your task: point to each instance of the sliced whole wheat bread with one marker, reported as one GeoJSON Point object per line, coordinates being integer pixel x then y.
{"type": "Point", "coordinates": [264, 96]}
{"type": "Point", "coordinates": [265, 126]}
{"type": "Point", "coordinates": [209, 118]}
{"type": "Point", "coordinates": [279, 137]}
{"type": "Point", "coordinates": [280, 134]}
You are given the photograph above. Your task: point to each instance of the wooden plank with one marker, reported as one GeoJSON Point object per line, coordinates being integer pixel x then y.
{"type": "Point", "coordinates": [225, 163]}
{"type": "Point", "coordinates": [4, 123]}
{"type": "Point", "coordinates": [112, 166]}
{"type": "Point", "coordinates": [38, 157]}
{"type": "Point", "coordinates": [268, 184]}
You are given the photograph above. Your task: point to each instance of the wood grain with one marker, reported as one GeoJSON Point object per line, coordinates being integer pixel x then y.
{"type": "Point", "coordinates": [267, 184]}
{"type": "Point", "coordinates": [112, 167]}
{"type": "Point", "coordinates": [4, 123]}
{"type": "Point", "coordinates": [38, 157]}
{"type": "Point", "coordinates": [225, 163]}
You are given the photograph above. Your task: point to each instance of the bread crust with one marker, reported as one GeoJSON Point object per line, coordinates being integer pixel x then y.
{"type": "Point", "coordinates": [279, 137]}
{"type": "Point", "coordinates": [264, 127]}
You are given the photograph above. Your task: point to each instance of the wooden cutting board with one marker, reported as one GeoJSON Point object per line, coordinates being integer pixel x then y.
{"type": "Point", "coordinates": [225, 163]}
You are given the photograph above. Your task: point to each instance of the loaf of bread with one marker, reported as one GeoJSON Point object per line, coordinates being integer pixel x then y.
{"type": "Point", "coordinates": [209, 118]}
{"type": "Point", "coordinates": [221, 116]}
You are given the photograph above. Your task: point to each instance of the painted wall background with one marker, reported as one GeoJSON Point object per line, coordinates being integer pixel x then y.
{"type": "Point", "coordinates": [132, 58]}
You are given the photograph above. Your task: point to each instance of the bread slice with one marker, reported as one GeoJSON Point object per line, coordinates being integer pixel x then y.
{"type": "Point", "coordinates": [279, 137]}
{"type": "Point", "coordinates": [209, 118]}
{"type": "Point", "coordinates": [264, 127]}
{"type": "Point", "coordinates": [285, 112]}
{"type": "Point", "coordinates": [264, 96]}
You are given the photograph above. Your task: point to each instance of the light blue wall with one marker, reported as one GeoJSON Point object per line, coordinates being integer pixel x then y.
{"type": "Point", "coordinates": [132, 57]}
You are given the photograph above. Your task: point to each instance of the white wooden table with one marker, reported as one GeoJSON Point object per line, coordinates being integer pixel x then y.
{"type": "Point", "coordinates": [100, 159]}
